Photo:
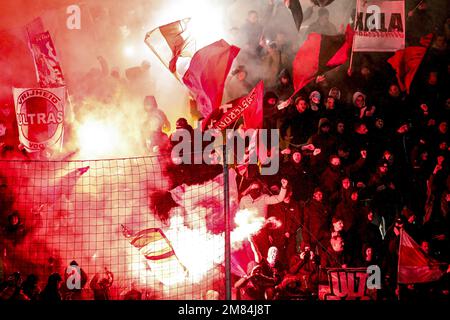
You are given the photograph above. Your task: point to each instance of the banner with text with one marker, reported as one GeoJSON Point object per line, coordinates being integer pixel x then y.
{"type": "Point", "coordinates": [347, 284]}
{"type": "Point", "coordinates": [40, 116]}
{"type": "Point", "coordinates": [379, 26]}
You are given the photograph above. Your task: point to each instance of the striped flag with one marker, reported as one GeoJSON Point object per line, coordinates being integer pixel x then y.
{"type": "Point", "coordinates": [318, 54]}
{"type": "Point", "coordinates": [157, 249]}
{"type": "Point", "coordinates": [171, 43]}
{"type": "Point", "coordinates": [202, 71]}
{"type": "Point", "coordinates": [414, 266]}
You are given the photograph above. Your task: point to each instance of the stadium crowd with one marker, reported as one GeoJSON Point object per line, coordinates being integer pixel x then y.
{"type": "Point", "coordinates": [360, 160]}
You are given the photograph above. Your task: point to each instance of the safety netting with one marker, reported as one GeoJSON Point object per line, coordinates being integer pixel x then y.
{"type": "Point", "coordinates": [126, 230]}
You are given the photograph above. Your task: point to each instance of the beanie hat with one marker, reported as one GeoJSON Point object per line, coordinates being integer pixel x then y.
{"type": "Point", "coordinates": [356, 95]}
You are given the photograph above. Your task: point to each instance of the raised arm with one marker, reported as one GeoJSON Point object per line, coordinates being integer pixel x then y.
{"type": "Point", "coordinates": [279, 197]}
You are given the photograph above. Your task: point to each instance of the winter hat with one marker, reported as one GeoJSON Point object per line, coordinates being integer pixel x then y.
{"type": "Point", "coordinates": [181, 123]}
{"type": "Point", "coordinates": [274, 189]}
{"type": "Point", "coordinates": [315, 95]}
{"type": "Point", "coordinates": [336, 95]}
{"type": "Point", "coordinates": [356, 95]}
{"type": "Point", "coordinates": [284, 74]}
{"type": "Point", "coordinates": [270, 95]}
{"type": "Point", "coordinates": [323, 122]}
{"type": "Point", "coordinates": [336, 219]}
{"type": "Point", "coordinates": [317, 189]}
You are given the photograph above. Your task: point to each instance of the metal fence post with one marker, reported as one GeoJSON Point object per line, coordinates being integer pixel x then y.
{"type": "Point", "coordinates": [227, 224]}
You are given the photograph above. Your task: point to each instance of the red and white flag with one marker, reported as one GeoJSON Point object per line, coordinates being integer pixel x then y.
{"type": "Point", "coordinates": [48, 68]}
{"type": "Point", "coordinates": [46, 62]}
{"type": "Point", "coordinates": [202, 71]}
{"type": "Point", "coordinates": [160, 255]}
{"type": "Point", "coordinates": [34, 28]}
{"type": "Point", "coordinates": [249, 106]}
{"type": "Point", "coordinates": [40, 117]}
{"type": "Point", "coordinates": [414, 265]}
{"type": "Point", "coordinates": [173, 45]}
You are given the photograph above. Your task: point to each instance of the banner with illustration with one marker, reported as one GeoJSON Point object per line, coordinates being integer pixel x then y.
{"type": "Point", "coordinates": [48, 68]}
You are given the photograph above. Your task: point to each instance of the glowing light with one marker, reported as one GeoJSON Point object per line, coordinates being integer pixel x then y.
{"type": "Point", "coordinates": [97, 139]}
{"type": "Point", "coordinates": [247, 223]}
{"type": "Point", "coordinates": [197, 250]}
{"type": "Point", "coordinates": [129, 51]}
{"type": "Point", "coordinates": [206, 19]}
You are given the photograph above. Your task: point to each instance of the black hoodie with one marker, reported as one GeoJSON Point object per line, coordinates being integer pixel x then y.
{"type": "Point", "coordinates": [284, 91]}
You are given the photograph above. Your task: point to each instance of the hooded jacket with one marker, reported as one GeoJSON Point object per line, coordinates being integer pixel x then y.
{"type": "Point", "coordinates": [284, 91]}
{"type": "Point", "coordinates": [356, 95]}
{"type": "Point", "coordinates": [325, 141]}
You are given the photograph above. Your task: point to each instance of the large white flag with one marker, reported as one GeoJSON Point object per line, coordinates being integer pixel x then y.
{"type": "Point", "coordinates": [202, 71]}
{"type": "Point", "coordinates": [173, 44]}
{"type": "Point", "coordinates": [379, 26]}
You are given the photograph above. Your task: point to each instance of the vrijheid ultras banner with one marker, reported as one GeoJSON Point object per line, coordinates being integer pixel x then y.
{"type": "Point", "coordinates": [379, 26]}
{"type": "Point", "coordinates": [40, 117]}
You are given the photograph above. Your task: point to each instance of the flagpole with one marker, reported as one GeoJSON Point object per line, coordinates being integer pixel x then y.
{"type": "Point", "coordinates": [175, 74]}
{"type": "Point", "coordinates": [398, 262]}
{"type": "Point", "coordinates": [226, 197]}
{"type": "Point", "coordinates": [349, 71]}
{"type": "Point", "coordinates": [415, 8]}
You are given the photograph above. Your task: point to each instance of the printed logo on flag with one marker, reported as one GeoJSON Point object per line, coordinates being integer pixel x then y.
{"type": "Point", "coordinates": [40, 116]}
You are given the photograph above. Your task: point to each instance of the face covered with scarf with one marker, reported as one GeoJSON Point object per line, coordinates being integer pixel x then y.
{"type": "Point", "coordinates": [255, 191]}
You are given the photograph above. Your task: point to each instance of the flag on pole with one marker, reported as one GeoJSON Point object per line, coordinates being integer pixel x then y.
{"type": "Point", "coordinates": [207, 73]}
{"type": "Point", "coordinates": [34, 28]}
{"type": "Point", "coordinates": [406, 62]}
{"type": "Point", "coordinates": [319, 54]}
{"type": "Point", "coordinates": [249, 106]}
{"type": "Point", "coordinates": [172, 43]}
{"type": "Point", "coordinates": [202, 71]}
{"type": "Point", "coordinates": [253, 114]}
{"type": "Point", "coordinates": [48, 68]}
{"type": "Point", "coordinates": [414, 266]}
